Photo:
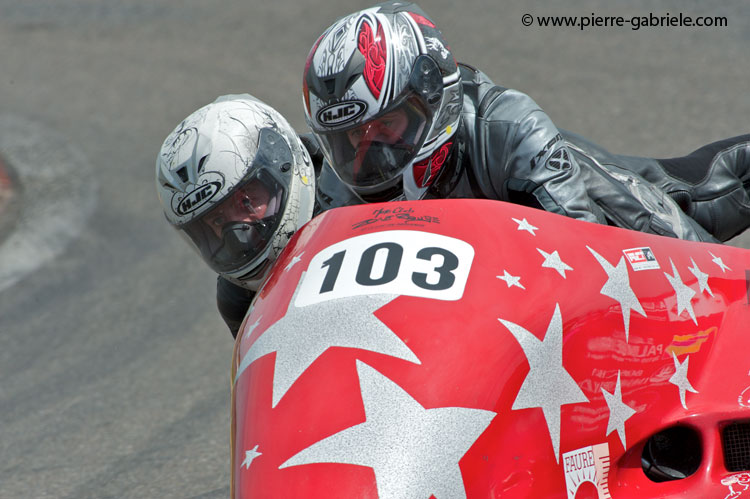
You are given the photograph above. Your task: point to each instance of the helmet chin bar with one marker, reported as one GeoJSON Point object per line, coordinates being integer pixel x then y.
{"type": "Point", "coordinates": [238, 236]}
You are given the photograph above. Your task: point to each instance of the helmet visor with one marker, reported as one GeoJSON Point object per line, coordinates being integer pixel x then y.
{"type": "Point", "coordinates": [373, 154]}
{"type": "Point", "coordinates": [240, 227]}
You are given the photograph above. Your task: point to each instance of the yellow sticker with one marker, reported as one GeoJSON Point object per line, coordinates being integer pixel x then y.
{"type": "Point", "coordinates": [448, 130]}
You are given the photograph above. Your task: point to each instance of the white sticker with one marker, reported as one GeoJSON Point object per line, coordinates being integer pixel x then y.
{"type": "Point", "coordinates": [401, 262]}
{"type": "Point", "coordinates": [587, 467]}
{"type": "Point", "coordinates": [641, 258]}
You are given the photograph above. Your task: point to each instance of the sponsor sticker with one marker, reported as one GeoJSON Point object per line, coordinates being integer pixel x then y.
{"type": "Point", "coordinates": [587, 470]}
{"type": "Point", "coordinates": [641, 258]}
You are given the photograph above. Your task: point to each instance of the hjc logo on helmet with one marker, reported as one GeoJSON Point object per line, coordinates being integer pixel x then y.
{"type": "Point", "coordinates": [342, 112]}
{"type": "Point", "coordinates": [197, 198]}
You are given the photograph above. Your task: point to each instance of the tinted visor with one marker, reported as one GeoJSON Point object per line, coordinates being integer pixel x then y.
{"type": "Point", "coordinates": [240, 227]}
{"type": "Point", "coordinates": [375, 153]}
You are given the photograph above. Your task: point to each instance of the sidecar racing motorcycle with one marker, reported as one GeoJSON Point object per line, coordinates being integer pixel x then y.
{"type": "Point", "coordinates": [474, 349]}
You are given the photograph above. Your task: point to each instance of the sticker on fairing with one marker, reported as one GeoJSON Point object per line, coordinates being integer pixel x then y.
{"type": "Point", "coordinates": [587, 468]}
{"type": "Point", "coordinates": [641, 258]}
{"type": "Point", "coordinates": [401, 262]}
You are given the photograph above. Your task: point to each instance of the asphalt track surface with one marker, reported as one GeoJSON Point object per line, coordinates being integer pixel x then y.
{"type": "Point", "coordinates": [114, 364]}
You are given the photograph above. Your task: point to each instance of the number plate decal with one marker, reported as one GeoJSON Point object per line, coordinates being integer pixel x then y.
{"type": "Point", "coordinates": [401, 262]}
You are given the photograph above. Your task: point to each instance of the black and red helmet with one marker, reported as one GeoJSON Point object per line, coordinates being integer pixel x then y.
{"type": "Point", "coordinates": [382, 93]}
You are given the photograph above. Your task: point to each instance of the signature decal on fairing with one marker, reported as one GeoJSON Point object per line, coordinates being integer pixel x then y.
{"type": "Point", "coordinates": [396, 216]}
{"type": "Point", "coordinates": [403, 262]}
{"type": "Point", "coordinates": [587, 467]}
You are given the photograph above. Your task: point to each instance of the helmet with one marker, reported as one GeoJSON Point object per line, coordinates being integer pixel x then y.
{"type": "Point", "coordinates": [234, 179]}
{"type": "Point", "coordinates": [382, 93]}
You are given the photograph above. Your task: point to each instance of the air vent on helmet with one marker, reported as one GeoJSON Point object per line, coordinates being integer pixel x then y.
{"type": "Point", "coordinates": [672, 454]}
{"type": "Point", "coordinates": [330, 85]}
{"type": "Point", "coordinates": [183, 174]}
{"type": "Point", "coordinates": [202, 162]}
{"type": "Point", "coordinates": [735, 439]}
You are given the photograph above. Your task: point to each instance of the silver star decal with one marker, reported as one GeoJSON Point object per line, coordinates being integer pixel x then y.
{"type": "Point", "coordinates": [683, 292]}
{"type": "Point", "coordinates": [295, 261]}
{"type": "Point", "coordinates": [552, 261]}
{"type": "Point", "coordinates": [548, 385]}
{"type": "Point", "coordinates": [618, 288]}
{"type": "Point", "coordinates": [250, 455]}
{"type": "Point", "coordinates": [679, 378]}
{"type": "Point", "coordinates": [701, 276]}
{"type": "Point", "coordinates": [414, 451]}
{"type": "Point", "coordinates": [510, 280]}
{"type": "Point", "coordinates": [304, 333]}
{"type": "Point", "coordinates": [719, 262]}
{"type": "Point", "coordinates": [524, 225]}
{"type": "Point", "coordinates": [618, 411]}
{"type": "Point", "coordinates": [249, 329]}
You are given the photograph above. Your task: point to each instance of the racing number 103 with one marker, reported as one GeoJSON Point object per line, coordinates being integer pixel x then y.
{"type": "Point", "coordinates": [397, 262]}
{"type": "Point", "coordinates": [394, 253]}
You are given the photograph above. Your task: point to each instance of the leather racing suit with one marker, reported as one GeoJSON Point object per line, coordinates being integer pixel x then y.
{"type": "Point", "coordinates": [509, 149]}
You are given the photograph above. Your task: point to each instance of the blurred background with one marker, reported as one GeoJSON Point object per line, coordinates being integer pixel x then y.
{"type": "Point", "coordinates": [114, 363]}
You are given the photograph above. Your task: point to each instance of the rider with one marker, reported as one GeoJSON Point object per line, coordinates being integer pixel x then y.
{"type": "Point", "coordinates": [397, 118]}
{"type": "Point", "coordinates": [235, 180]}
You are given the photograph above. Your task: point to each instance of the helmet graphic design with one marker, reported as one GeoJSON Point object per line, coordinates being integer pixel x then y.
{"type": "Point", "coordinates": [234, 179]}
{"type": "Point", "coordinates": [382, 94]}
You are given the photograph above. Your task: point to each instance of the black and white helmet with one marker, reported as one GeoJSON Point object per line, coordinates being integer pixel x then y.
{"type": "Point", "coordinates": [236, 181]}
{"type": "Point", "coordinates": [382, 93]}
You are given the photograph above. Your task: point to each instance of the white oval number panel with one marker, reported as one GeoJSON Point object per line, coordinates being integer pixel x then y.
{"type": "Point", "coordinates": [401, 262]}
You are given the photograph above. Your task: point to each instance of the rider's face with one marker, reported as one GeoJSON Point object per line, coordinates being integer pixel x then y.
{"type": "Point", "coordinates": [388, 129]}
{"type": "Point", "coordinates": [247, 204]}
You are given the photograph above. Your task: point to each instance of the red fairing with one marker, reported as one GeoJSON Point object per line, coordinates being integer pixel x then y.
{"type": "Point", "coordinates": [479, 349]}
{"type": "Point", "coordinates": [426, 171]}
{"type": "Point", "coordinates": [374, 50]}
